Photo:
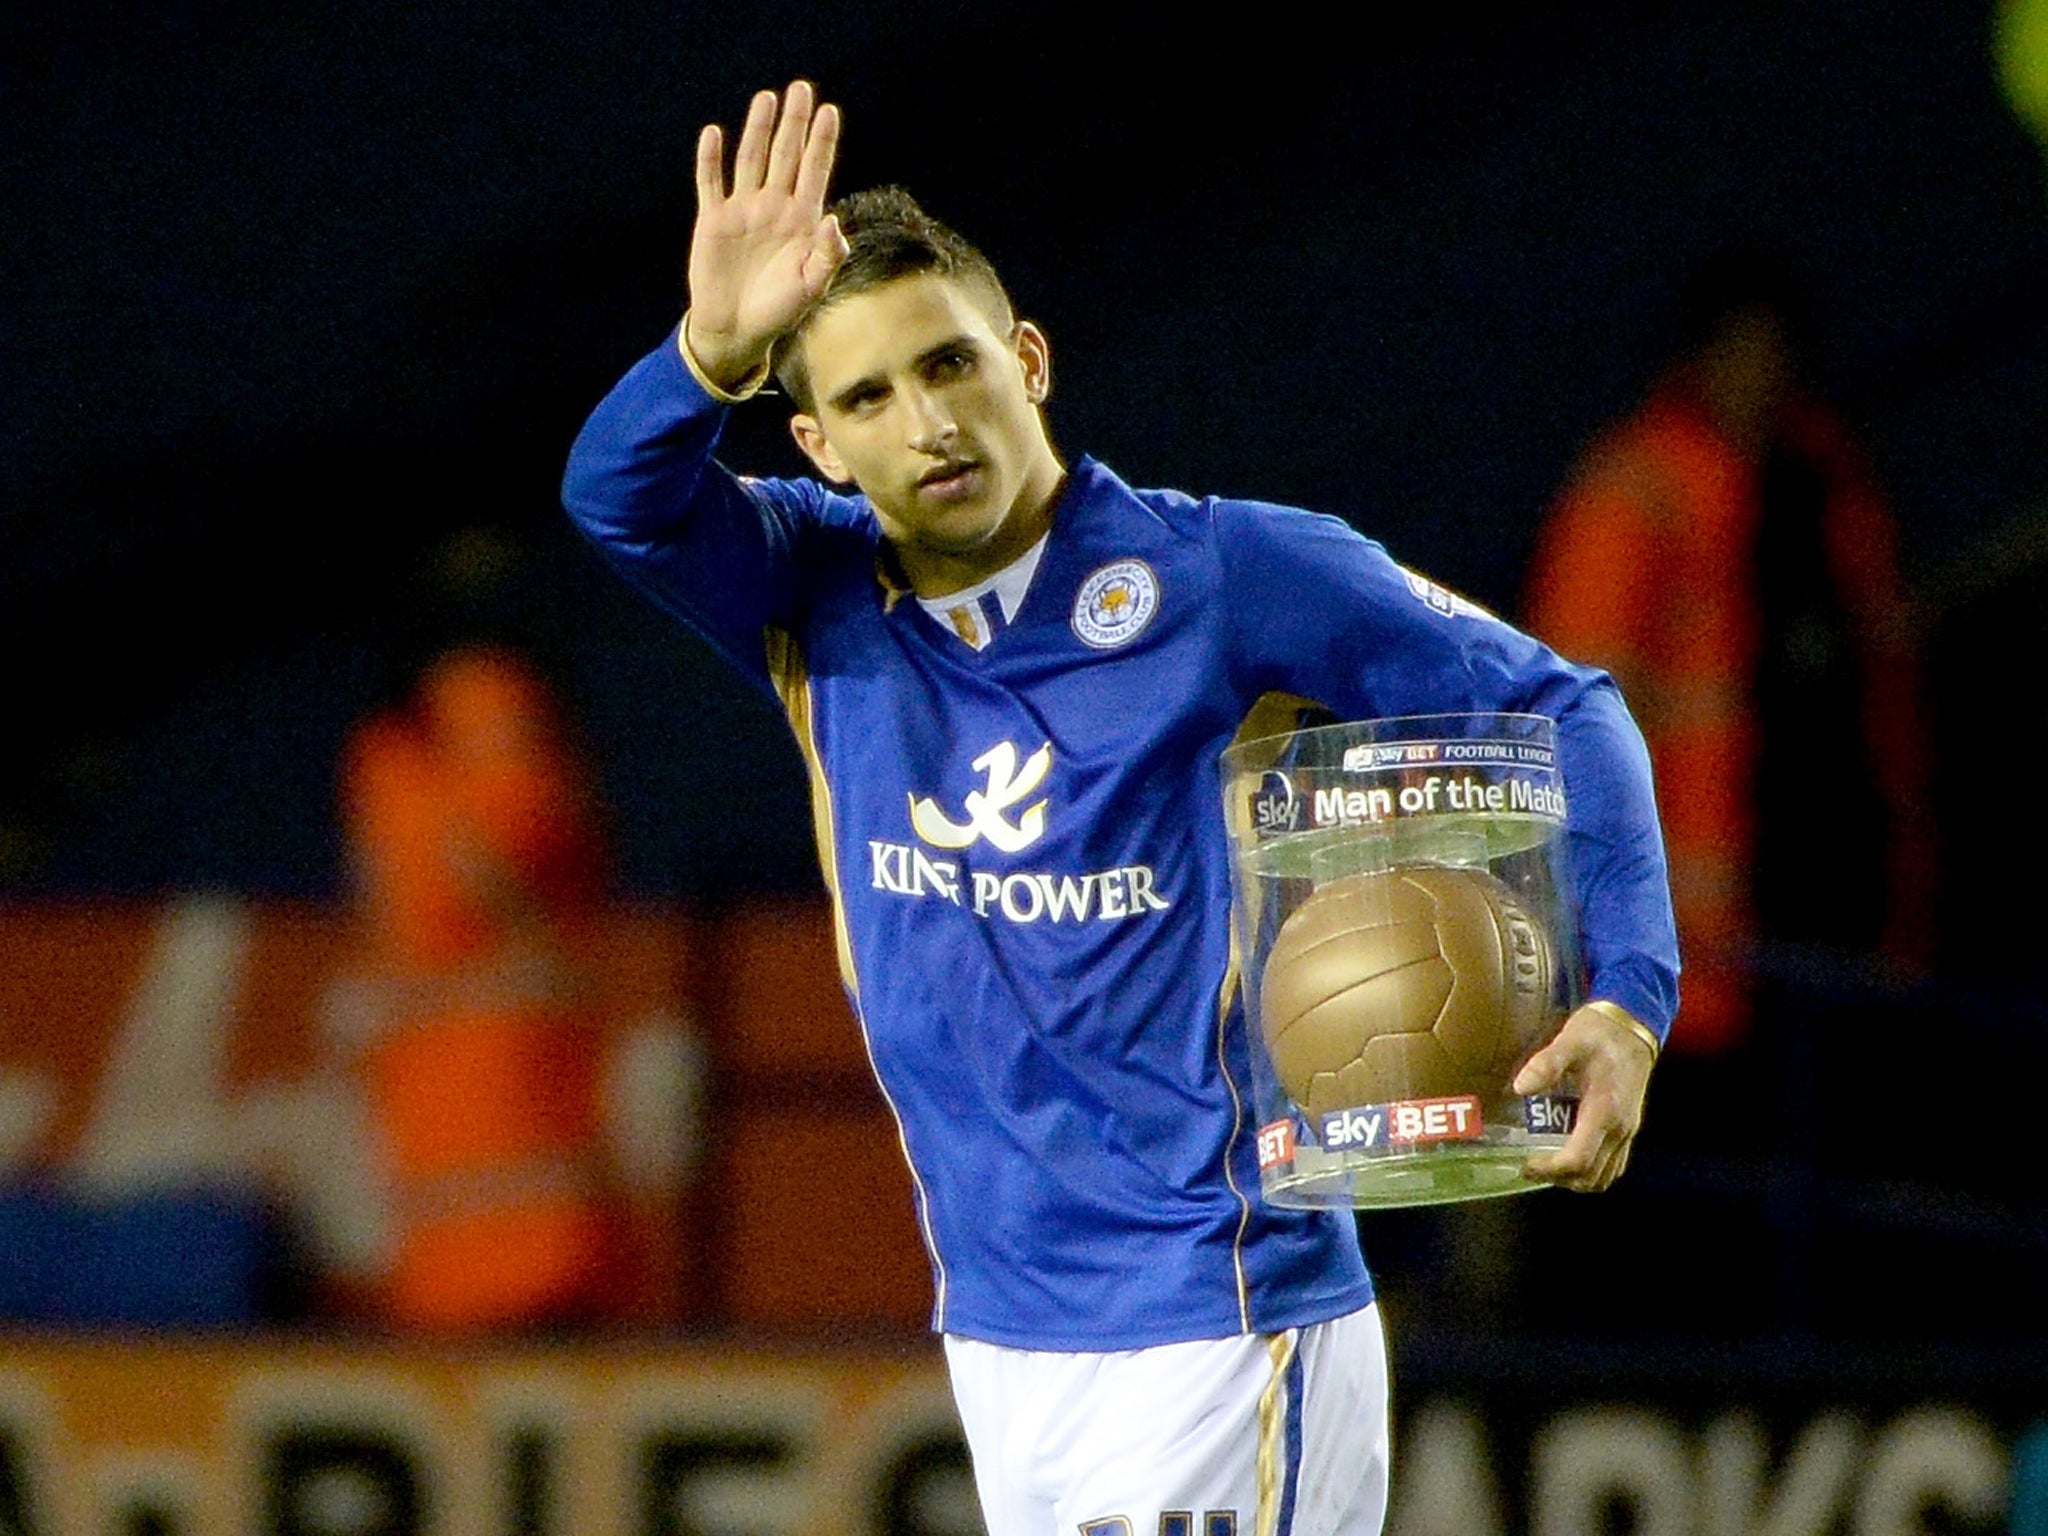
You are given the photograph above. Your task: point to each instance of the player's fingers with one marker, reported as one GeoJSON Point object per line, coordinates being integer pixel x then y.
{"type": "Point", "coordinates": [1614, 1161]}
{"type": "Point", "coordinates": [1581, 1177]}
{"type": "Point", "coordinates": [787, 146]}
{"type": "Point", "coordinates": [820, 149]}
{"type": "Point", "coordinates": [1578, 1164]}
{"type": "Point", "coordinates": [1595, 1175]}
{"type": "Point", "coordinates": [1568, 1163]}
{"type": "Point", "coordinates": [710, 166]}
{"type": "Point", "coordinates": [828, 249]}
{"type": "Point", "coordinates": [751, 161]}
{"type": "Point", "coordinates": [1540, 1072]}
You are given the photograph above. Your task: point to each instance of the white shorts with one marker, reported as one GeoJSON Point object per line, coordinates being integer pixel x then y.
{"type": "Point", "coordinates": [1279, 1434]}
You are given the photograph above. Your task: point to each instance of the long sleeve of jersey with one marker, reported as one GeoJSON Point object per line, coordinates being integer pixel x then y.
{"type": "Point", "coordinates": [642, 484]}
{"type": "Point", "coordinates": [1322, 612]}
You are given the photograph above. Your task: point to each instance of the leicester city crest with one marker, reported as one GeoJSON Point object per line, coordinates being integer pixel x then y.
{"type": "Point", "coordinates": [1115, 603]}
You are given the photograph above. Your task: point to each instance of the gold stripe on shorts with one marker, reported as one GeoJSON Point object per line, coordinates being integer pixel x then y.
{"type": "Point", "coordinates": [1273, 1432]}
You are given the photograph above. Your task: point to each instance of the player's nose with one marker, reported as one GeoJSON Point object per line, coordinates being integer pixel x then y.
{"type": "Point", "coordinates": [932, 427]}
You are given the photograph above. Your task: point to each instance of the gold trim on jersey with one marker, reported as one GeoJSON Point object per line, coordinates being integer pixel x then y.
{"type": "Point", "coordinates": [793, 682]}
{"type": "Point", "coordinates": [1225, 994]}
{"type": "Point", "coordinates": [1271, 714]}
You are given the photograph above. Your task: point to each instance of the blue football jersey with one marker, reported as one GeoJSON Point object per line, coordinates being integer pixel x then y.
{"type": "Point", "coordinates": [1025, 847]}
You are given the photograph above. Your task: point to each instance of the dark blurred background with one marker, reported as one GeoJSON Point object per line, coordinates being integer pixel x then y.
{"type": "Point", "coordinates": [303, 306]}
{"type": "Point", "coordinates": [292, 298]}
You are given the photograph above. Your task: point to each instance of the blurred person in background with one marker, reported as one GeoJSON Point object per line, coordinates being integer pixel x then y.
{"type": "Point", "coordinates": [476, 859]}
{"type": "Point", "coordinates": [1725, 552]}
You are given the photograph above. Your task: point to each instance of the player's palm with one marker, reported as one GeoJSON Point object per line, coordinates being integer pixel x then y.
{"type": "Point", "coordinates": [755, 263]}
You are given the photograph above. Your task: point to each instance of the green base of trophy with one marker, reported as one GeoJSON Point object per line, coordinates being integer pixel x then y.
{"type": "Point", "coordinates": [1440, 1175]}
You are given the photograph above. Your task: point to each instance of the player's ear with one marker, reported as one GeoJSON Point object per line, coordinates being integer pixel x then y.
{"type": "Point", "coordinates": [1035, 354]}
{"type": "Point", "coordinates": [811, 438]}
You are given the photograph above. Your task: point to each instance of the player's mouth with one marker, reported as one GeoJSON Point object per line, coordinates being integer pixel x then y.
{"type": "Point", "coordinates": [954, 480]}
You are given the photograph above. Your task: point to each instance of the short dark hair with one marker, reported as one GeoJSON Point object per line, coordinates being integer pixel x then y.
{"type": "Point", "coordinates": [889, 237]}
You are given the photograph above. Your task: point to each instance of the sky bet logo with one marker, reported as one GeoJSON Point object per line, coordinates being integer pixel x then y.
{"type": "Point", "coordinates": [1406, 1123]}
{"type": "Point", "coordinates": [1276, 1144]}
{"type": "Point", "coordinates": [1275, 808]}
{"type": "Point", "coordinates": [1550, 1114]}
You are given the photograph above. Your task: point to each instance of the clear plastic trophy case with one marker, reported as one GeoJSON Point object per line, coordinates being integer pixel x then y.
{"type": "Point", "coordinates": [1405, 944]}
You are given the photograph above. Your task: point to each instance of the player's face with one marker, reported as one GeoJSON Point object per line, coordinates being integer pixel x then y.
{"type": "Point", "coordinates": [924, 402]}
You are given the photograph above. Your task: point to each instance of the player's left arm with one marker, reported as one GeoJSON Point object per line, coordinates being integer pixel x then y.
{"type": "Point", "coordinates": [1327, 614]}
{"type": "Point", "coordinates": [1604, 1053]}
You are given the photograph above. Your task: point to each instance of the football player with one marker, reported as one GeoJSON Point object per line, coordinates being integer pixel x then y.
{"type": "Point", "coordinates": [1011, 676]}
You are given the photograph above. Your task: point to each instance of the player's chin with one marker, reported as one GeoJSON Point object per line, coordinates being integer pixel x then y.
{"type": "Point", "coordinates": [958, 530]}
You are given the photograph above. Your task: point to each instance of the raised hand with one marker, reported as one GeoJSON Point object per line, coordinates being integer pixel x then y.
{"type": "Point", "coordinates": [1608, 1064]}
{"type": "Point", "coordinates": [764, 247]}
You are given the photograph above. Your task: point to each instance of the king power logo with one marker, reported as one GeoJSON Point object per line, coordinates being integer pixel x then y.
{"type": "Point", "coordinates": [1004, 815]}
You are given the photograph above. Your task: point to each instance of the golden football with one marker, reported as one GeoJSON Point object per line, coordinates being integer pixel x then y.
{"type": "Point", "coordinates": [1417, 982]}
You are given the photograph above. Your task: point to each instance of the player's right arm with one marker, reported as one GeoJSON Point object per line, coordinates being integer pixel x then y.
{"type": "Point", "coordinates": [640, 481]}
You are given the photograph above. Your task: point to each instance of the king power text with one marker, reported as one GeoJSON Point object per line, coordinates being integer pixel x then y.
{"type": "Point", "coordinates": [1028, 896]}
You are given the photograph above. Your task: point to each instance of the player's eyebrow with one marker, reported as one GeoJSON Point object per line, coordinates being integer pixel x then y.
{"type": "Point", "coordinates": [844, 399]}
{"type": "Point", "coordinates": [959, 343]}
{"type": "Point", "coordinates": [867, 384]}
